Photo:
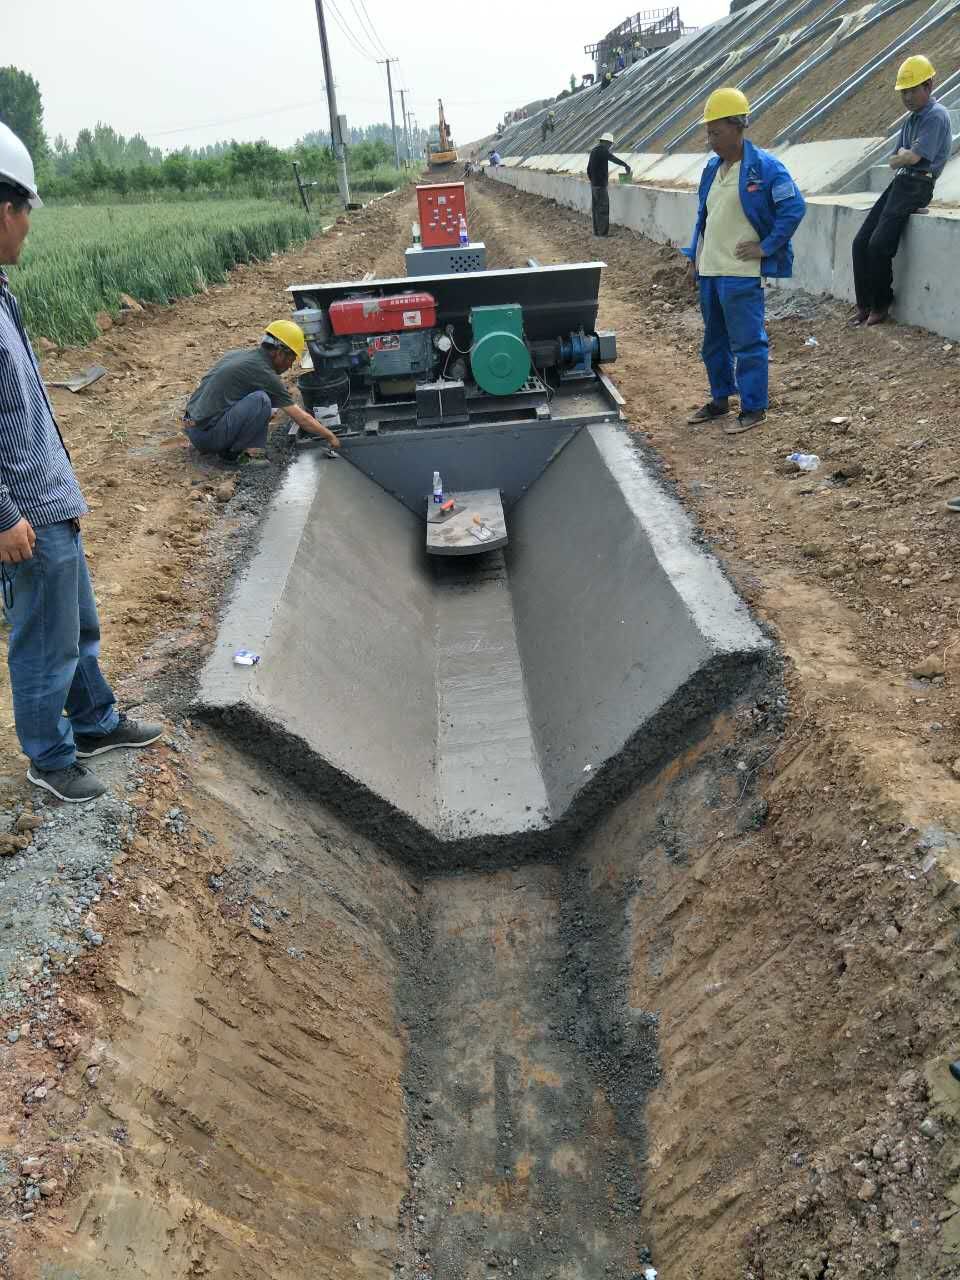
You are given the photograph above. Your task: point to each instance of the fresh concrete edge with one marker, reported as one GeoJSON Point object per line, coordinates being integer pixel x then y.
{"type": "Point", "coordinates": [924, 282]}
{"type": "Point", "coordinates": [721, 616]}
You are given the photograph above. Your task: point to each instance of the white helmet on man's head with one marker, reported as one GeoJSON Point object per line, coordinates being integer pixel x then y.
{"type": "Point", "coordinates": [16, 167]}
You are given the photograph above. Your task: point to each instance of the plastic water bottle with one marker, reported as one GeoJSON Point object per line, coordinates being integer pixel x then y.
{"type": "Point", "coordinates": [805, 461]}
{"type": "Point", "coordinates": [415, 231]}
{"type": "Point", "coordinates": [437, 488]}
{"type": "Point", "coordinates": [464, 234]}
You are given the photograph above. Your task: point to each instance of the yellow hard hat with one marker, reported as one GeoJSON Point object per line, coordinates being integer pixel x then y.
{"type": "Point", "coordinates": [916, 70]}
{"type": "Point", "coordinates": [725, 102]}
{"type": "Point", "coordinates": [290, 334]}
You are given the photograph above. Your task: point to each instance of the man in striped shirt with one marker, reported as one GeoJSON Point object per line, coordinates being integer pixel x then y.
{"type": "Point", "coordinates": [63, 706]}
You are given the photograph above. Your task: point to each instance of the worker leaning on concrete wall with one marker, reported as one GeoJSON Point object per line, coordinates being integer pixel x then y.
{"type": "Point", "coordinates": [749, 209]}
{"type": "Point", "coordinates": [923, 149]}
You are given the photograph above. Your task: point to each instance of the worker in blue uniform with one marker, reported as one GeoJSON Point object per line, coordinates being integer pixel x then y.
{"type": "Point", "coordinates": [749, 209]}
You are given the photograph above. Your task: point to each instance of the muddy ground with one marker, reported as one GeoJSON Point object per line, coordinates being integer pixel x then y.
{"type": "Point", "coordinates": [759, 944]}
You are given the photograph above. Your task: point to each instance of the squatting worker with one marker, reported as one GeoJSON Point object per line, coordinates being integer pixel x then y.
{"type": "Point", "coordinates": [62, 705]}
{"type": "Point", "coordinates": [749, 209]}
{"type": "Point", "coordinates": [229, 413]}
{"type": "Point", "coordinates": [598, 171]}
{"type": "Point", "coordinates": [923, 149]}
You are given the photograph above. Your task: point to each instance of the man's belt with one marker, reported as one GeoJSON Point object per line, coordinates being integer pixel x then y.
{"type": "Point", "coordinates": [918, 173]}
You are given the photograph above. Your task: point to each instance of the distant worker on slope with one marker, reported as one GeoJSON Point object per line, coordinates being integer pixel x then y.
{"type": "Point", "coordinates": [749, 209]}
{"type": "Point", "coordinates": [606, 77]}
{"type": "Point", "coordinates": [229, 413]}
{"type": "Point", "coordinates": [923, 149]}
{"type": "Point", "coordinates": [63, 707]}
{"type": "Point", "coordinates": [548, 126]}
{"type": "Point", "coordinates": [598, 171]}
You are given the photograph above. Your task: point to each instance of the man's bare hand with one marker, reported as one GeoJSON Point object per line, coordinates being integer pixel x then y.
{"type": "Point", "coordinates": [691, 272]}
{"type": "Point", "coordinates": [16, 543]}
{"type": "Point", "coordinates": [749, 251]}
{"type": "Point", "coordinates": [332, 439]}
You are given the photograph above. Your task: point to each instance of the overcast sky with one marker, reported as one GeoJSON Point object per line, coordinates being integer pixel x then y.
{"type": "Point", "coordinates": [189, 72]}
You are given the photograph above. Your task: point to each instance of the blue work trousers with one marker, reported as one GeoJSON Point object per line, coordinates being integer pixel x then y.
{"type": "Point", "coordinates": [243, 426]}
{"type": "Point", "coordinates": [735, 344]}
{"type": "Point", "coordinates": [53, 649]}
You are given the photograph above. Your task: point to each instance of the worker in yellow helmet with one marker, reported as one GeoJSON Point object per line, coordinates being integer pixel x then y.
{"type": "Point", "coordinates": [749, 209]}
{"type": "Point", "coordinates": [923, 148]}
{"type": "Point", "coordinates": [230, 411]}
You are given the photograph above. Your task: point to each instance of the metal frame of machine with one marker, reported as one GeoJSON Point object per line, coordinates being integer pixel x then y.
{"type": "Point", "coordinates": [522, 343]}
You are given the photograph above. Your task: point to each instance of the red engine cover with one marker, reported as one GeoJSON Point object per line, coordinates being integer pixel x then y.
{"type": "Point", "coordinates": [383, 315]}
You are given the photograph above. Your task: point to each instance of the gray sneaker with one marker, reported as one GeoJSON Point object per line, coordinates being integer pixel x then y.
{"type": "Point", "coordinates": [128, 733]}
{"type": "Point", "coordinates": [75, 784]}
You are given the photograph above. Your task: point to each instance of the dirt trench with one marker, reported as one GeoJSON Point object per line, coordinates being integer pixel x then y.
{"type": "Point", "coordinates": [711, 1039]}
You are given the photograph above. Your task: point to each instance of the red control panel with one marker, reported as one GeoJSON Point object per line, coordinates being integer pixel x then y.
{"type": "Point", "coordinates": [441, 208]}
{"type": "Point", "coordinates": [369, 314]}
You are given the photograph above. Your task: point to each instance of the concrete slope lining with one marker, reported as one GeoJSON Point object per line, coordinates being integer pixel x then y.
{"type": "Point", "coordinates": [477, 706]}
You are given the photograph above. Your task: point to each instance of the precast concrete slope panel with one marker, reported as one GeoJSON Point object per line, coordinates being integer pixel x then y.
{"type": "Point", "coordinates": [628, 631]}
{"type": "Point", "coordinates": [339, 606]}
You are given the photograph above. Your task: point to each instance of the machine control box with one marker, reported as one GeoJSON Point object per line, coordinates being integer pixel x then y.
{"type": "Point", "coordinates": [401, 311]}
{"type": "Point", "coordinates": [441, 207]}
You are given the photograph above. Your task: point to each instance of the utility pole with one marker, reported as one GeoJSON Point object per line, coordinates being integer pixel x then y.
{"type": "Point", "coordinates": [393, 115]}
{"type": "Point", "coordinates": [338, 153]}
{"type": "Point", "coordinates": [406, 129]}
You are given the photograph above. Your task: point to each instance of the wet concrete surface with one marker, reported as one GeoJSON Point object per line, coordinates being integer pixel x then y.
{"type": "Point", "coordinates": [480, 714]}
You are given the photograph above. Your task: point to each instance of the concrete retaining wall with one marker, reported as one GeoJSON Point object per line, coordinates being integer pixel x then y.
{"type": "Point", "coordinates": [924, 273]}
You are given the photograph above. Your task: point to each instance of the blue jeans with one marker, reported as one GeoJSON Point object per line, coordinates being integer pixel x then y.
{"type": "Point", "coordinates": [243, 426]}
{"type": "Point", "coordinates": [735, 345]}
{"type": "Point", "coordinates": [53, 648]}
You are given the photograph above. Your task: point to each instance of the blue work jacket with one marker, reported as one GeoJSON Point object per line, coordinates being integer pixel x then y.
{"type": "Point", "coordinates": [771, 201]}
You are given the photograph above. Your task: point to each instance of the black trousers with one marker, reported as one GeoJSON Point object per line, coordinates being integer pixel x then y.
{"type": "Point", "coordinates": [601, 211]}
{"type": "Point", "coordinates": [876, 243]}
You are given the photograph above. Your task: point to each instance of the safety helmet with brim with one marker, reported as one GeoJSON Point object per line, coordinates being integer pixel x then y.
{"type": "Point", "coordinates": [607, 137]}
{"type": "Point", "coordinates": [16, 167]}
{"type": "Point", "coordinates": [286, 333]}
{"type": "Point", "coordinates": [724, 103]}
{"type": "Point", "coordinates": [914, 71]}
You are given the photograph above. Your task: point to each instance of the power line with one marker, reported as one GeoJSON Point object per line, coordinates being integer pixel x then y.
{"type": "Point", "coordinates": [345, 29]}
{"type": "Point", "coordinates": [253, 115]}
{"type": "Point", "coordinates": [365, 21]}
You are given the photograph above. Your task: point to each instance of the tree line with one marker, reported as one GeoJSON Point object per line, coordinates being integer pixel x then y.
{"type": "Point", "coordinates": [103, 161]}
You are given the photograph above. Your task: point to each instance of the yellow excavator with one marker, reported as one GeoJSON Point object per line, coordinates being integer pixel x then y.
{"type": "Point", "coordinates": [441, 153]}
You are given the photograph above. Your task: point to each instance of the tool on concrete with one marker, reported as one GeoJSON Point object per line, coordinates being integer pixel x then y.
{"type": "Point", "coordinates": [439, 514]}
{"type": "Point", "coordinates": [245, 658]}
{"type": "Point", "coordinates": [81, 380]}
{"type": "Point", "coordinates": [476, 524]}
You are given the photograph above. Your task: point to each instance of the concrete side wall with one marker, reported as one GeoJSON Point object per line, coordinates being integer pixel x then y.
{"type": "Point", "coordinates": [346, 629]}
{"type": "Point", "coordinates": [617, 611]}
{"type": "Point", "coordinates": [923, 274]}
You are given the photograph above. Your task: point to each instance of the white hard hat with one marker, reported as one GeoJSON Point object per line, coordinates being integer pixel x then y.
{"type": "Point", "coordinates": [606, 137]}
{"type": "Point", "coordinates": [16, 167]}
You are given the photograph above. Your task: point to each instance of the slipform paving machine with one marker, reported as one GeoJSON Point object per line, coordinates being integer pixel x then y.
{"type": "Point", "coordinates": [473, 678]}
{"type": "Point", "coordinates": [478, 377]}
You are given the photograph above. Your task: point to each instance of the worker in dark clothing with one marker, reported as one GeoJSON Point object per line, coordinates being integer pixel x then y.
{"type": "Point", "coordinates": [548, 126]}
{"type": "Point", "coordinates": [598, 171]}
{"type": "Point", "coordinates": [606, 77]}
{"type": "Point", "coordinates": [923, 149]}
{"type": "Point", "coordinates": [230, 411]}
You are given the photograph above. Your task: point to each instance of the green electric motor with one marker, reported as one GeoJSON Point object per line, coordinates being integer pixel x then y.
{"type": "Point", "coordinates": [499, 356]}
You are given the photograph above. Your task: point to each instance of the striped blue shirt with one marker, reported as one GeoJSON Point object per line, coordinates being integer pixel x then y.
{"type": "Point", "coordinates": [36, 478]}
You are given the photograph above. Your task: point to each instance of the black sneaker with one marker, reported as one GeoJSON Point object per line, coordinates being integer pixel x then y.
{"type": "Point", "coordinates": [75, 784]}
{"type": "Point", "coordinates": [128, 733]}
{"type": "Point", "coordinates": [712, 409]}
{"type": "Point", "coordinates": [746, 422]}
